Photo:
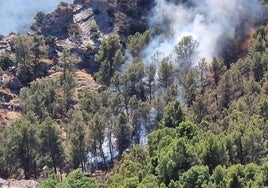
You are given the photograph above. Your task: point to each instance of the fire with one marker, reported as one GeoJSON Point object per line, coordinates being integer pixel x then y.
{"type": "Point", "coordinates": [248, 40]}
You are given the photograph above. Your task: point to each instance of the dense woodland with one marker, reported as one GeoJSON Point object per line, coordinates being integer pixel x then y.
{"type": "Point", "coordinates": [206, 122]}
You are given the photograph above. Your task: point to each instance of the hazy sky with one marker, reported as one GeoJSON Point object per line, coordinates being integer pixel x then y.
{"type": "Point", "coordinates": [18, 15]}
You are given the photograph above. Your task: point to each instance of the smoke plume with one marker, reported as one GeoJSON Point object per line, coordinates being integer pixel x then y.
{"type": "Point", "coordinates": [18, 15]}
{"type": "Point", "coordinates": [210, 22]}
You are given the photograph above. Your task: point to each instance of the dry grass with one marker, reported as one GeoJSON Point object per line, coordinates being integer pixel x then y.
{"type": "Point", "coordinates": [46, 61]}
{"type": "Point", "coordinates": [54, 75]}
{"type": "Point", "coordinates": [86, 81]}
{"type": "Point", "coordinates": [7, 116]}
{"type": "Point", "coordinates": [83, 76]}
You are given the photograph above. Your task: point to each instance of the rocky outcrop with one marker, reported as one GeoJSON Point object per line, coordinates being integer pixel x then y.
{"type": "Point", "coordinates": [6, 95]}
{"type": "Point", "coordinates": [6, 43]}
{"type": "Point", "coordinates": [81, 26]}
{"type": "Point", "coordinates": [78, 27]}
{"type": "Point", "coordinates": [18, 183]}
{"type": "Point", "coordinates": [10, 82]}
{"type": "Point", "coordinates": [9, 90]}
{"type": "Point", "coordinates": [55, 24]}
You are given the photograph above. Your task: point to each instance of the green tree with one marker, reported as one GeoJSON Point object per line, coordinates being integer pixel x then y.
{"type": "Point", "coordinates": [150, 72]}
{"type": "Point", "coordinates": [89, 102]}
{"type": "Point", "coordinates": [172, 115]}
{"type": "Point", "coordinates": [97, 127]}
{"type": "Point", "coordinates": [245, 139]}
{"type": "Point", "coordinates": [190, 86]}
{"type": "Point", "coordinates": [203, 74]}
{"type": "Point", "coordinates": [39, 48]}
{"type": "Point", "coordinates": [122, 134]}
{"type": "Point", "coordinates": [197, 176]}
{"type": "Point", "coordinates": [136, 43]}
{"type": "Point", "coordinates": [22, 47]}
{"type": "Point", "coordinates": [113, 113]}
{"type": "Point", "coordinates": [149, 181]}
{"type": "Point", "coordinates": [28, 53]}
{"type": "Point", "coordinates": [67, 63]}
{"type": "Point", "coordinates": [186, 51]}
{"type": "Point", "coordinates": [166, 73]}
{"type": "Point", "coordinates": [263, 178]}
{"type": "Point", "coordinates": [139, 119]}
{"type": "Point", "coordinates": [218, 178]}
{"type": "Point", "coordinates": [68, 88]}
{"type": "Point", "coordinates": [214, 151]}
{"type": "Point", "coordinates": [259, 44]}
{"type": "Point", "coordinates": [131, 171]}
{"type": "Point", "coordinates": [187, 130]}
{"type": "Point", "coordinates": [263, 108]}
{"type": "Point", "coordinates": [22, 145]}
{"type": "Point", "coordinates": [217, 68]}
{"type": "Point", "coordinates": [6, 61]}
{"type": "Point", "coordinates": [78, 179]}
{"type": "Point", "coordinates": [75, 179]}
{"type": "Point", "coordinates": [171, 94]}
{"type": "Point", "coordinates": [258, 69]}
{"type": "Point", "coordinates": [110, 57]}
{"type": "Point", "coordinates": [50, 144]}
{"type": "Point", "coordinates": [173, 159]}
{"type": "Point", "coordinates": [251, 172]}
{"type": "Point", "coordinates": [78, 149]}
{"type": "Point", "coordinates": [235, 176]}
{"type": "Point", "coordinates": [32, 99]}
{"type": "Point", "coordinates": [134, 76]}
{"type": "Point", "coordinates": [48, 98]}
{"type": "Point", "coordinates": [225, 90]}
{"type": "Point", "coordinates": [200, 109]}
{"type": "Point", "coordinates": [159, 139]}
{"type": "Point", "coordinates": [78, 142]}
{"type": "Point", "coordinates": [50, 182]}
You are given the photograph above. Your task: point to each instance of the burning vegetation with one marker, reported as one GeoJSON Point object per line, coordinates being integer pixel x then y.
{"type": "Point", "coordinates": [173, 106]}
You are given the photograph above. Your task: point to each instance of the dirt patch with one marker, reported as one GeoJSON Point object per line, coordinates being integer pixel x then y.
{"type": "Point", "coordinates": [86, 81]}
{"type": "Point", "coordinates": [83, 76]}
{"type": "Point", "coordinates": [7, 117]}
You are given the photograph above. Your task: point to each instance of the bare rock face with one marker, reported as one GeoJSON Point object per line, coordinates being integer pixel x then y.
{"type": "Point", "coordinates": [67, 21]}
{"type": "Point", "coordinates": [11, 83]}
{"type": "Point", "coordinates": [18, 183]}
{"type": "Point", "coordinates": [81, 26]}
{"type": "Point", "coordinates": [6, 44]}
{"type": "Point", "coordinates": [55, 24]}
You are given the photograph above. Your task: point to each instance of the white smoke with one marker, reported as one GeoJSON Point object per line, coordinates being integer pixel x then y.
{"type": "Point", "coordinates": [18, 15]}
{"type": "Point", "coordinates": [210, 22]}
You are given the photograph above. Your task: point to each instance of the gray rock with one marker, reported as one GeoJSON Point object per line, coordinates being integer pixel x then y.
{"type": "Point", "coordinates": [89, 21]}
{"type": "Point", "coordinates": [56, 24]}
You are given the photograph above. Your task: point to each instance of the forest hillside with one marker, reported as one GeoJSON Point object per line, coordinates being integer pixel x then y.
{"type": "Point", "coordinates": [137, 93]}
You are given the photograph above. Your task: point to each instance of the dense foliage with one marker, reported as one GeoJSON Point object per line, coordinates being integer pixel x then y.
{"type": "Point", "coordinates": [220, 137]}
{"type": "Point", "coordinates": [168, 123]}
{"type": "Point", "coordinates": [73, 180]}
